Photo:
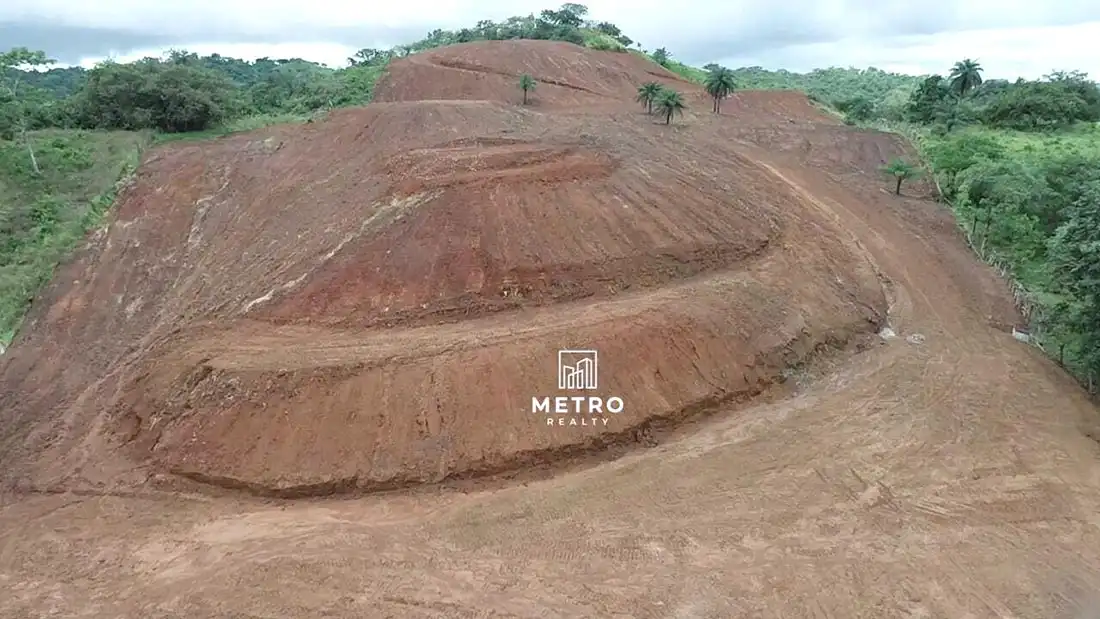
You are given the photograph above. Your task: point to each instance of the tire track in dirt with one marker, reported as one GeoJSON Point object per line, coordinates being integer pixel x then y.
{"type": "Point", "coordinates": [257, 348]}
{"type": "Point", "coordinates": [844, 220]}
{"type": "Point", "coordinates": [473, 68]}
{"type": "Point", "coordinates": [948, 479]}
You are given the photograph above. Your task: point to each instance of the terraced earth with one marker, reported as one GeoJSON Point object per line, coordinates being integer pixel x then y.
{"type": "Point", "coordinates": [293, 375]}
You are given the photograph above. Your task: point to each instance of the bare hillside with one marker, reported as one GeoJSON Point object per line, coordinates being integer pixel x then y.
{"type": "Point", "coordinates": [371, 303]}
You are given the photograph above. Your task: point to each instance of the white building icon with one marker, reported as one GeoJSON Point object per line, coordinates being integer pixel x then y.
{"type": "Point", "coordinates": [577, 369]}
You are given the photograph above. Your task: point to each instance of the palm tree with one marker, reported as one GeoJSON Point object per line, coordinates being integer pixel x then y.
{"type": "Point", "coordinates": [901, 171]}
{"type": "Point", "coordinates": [719, 84]}
{"type": "Point", "coordinates": [647, 94]}
{"type": "Point", "coordinates": [965, 76]}
{"type": "Point", "coordinates": [526, 84]}
{"type": "Point", "coordinates": [670, 102]}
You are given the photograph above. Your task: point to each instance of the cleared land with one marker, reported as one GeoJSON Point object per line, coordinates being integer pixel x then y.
{"type": "Point", "coordinates": [369, 303]}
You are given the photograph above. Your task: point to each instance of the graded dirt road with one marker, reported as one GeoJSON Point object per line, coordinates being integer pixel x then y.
{"type": "Point", "coordinates": [952, 475]}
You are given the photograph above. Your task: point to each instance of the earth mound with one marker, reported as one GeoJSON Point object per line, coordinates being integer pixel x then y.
{"type": "Point", "coordinates": [379, 299]}
{"type": "Point", "coordinates": [566, 76]}
{"type": "Point", "coordinates": [840, 150]}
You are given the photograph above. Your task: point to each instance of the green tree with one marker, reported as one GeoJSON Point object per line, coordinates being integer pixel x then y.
{"type": "Point", "coordinates": [647, 95]}
{"type": "Point", "coordinates": [901, 171]}
{"type": "Point", "coordinates": [1075, 270]}
{"type": "Point", "coordinates": [929, 100]}
{"type": "Point", "coordinates": [670, 102]}
{"type": "Point", "coordinates": [295, 87]}
{"type": "Point", "coordinates": [18, 99]}
{"type": "Point", "coordinates": [370, 57]}
{"type": "Point", "coordinates": [661, 56]}
{"type": "Point", "coordinates": [893, 104]}
{"type": "Point", "coordinates": [965, 76]}
{"type": "Point", "coordinates": [526, 84]}
{"type": "Point", "coordinates": [570, 15]}
{"type": "Point", "coordinates": [1031, 106]}
{"type": "Point", "coordinates": [1008, 199]}
{"type": "Point", "coordinates": [719, 84]}
{"type": "Point", "coordinates": [577, 10]}
{"type": "Point", "coordinates": [1078, 83]}
{"type": "Point", "coordinates": [951, 155]}
{"type": "Point", "coordinates": [613, 31]}
{"type": "Point", "coordinates": [856, 109]}
{"type": "Point", "coordinates": [152, 94]}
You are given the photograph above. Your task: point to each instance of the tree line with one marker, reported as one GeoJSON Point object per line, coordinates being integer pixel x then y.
{"type": "Point", "coordinates": [177, 93]}
{"type": "Point", "coordinates": [1019, 160]}
{"type": "Point", "coordinates": [59, 159]}
{"type": "Point", "coordinates": [1058, 100]}
{"type": "Point", "coordinates": [184, 92]}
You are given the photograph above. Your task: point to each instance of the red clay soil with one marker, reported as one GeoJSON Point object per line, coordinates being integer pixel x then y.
{"type": "Point", "coordinates": [374, 300]}
{"type": "Point", "coordinates": [371, 302]}
{"type": "Point", "coordinates": [567, 77]}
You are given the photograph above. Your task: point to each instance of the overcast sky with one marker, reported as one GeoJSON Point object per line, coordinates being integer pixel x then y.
{"type": "Point", "coordinates": [1011, 38]}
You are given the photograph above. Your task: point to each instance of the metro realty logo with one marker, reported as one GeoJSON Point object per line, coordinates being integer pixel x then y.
{"type": "Point", "coordinates": [583, 374]}
{"type": "Point", "coordinates": [578, 370]}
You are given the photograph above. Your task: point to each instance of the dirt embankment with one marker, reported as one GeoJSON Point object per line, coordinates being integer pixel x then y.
{"type": "Point", "coordinates": [373, 300]}
{"type": "Point", "coordinates": [567, 76]}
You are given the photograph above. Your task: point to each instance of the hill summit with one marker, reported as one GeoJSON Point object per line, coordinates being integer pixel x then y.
{"type": "Point", "coordinates": [380, 298]}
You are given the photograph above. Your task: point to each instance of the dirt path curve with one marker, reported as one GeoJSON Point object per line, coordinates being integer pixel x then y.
{"type": "Point", "coordinates": [949, 478]}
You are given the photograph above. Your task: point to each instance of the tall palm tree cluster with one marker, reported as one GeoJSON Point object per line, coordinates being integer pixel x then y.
{"type": "Point", "coordinates": [657, 98]}
{"type": "Point", "coordinates": [667, 102]}
{"type": "Point", "coordinates": [719, 84]}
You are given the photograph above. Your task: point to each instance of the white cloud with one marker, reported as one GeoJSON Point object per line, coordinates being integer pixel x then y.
{"type": "Point", "coordinates": [1010, 37]}
{"type": "Point", "coordinates": [1007, 54]}
{"type": "Point", "coordinates": [331, 54]}
{"type": "Point", "coordinates": [253, 16]}
{"type": "Point", "coordinates": [648, 17]}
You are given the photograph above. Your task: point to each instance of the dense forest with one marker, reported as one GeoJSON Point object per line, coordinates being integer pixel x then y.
{"type": "Point", "coordinates": [1018, 161]}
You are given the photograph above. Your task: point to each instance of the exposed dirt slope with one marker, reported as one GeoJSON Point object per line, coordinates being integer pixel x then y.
{"type": "Point", "coordinates": [231, 325]}
{"type": "Point", "coordinates": [301, 310]}
{"type": "Point", "coordinates": [571, 79]}
{"type": "Point", "coordinates": [567, 76]}
{"type": "Point", "coordinates": [405, 248]}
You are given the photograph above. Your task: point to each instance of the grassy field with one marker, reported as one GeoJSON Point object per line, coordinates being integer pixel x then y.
{"type": "Point", "coordinates": [247, 123]}
{"type": "Point", "coordinates": [43, 216]}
